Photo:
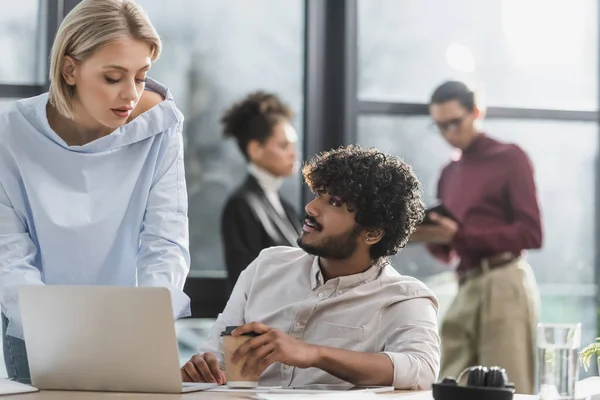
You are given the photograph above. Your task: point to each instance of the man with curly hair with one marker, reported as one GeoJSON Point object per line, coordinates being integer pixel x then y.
{"type": "Point", "coordinates": [334, 311]}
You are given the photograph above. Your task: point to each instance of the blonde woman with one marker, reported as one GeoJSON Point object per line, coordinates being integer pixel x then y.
{"type": "Point", "coordinates": [92, 186]}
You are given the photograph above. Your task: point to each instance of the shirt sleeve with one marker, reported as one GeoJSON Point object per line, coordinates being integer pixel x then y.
{"type": "Point", "coordinates": [17, 263]}
{"type": "Point", "coordinates": [233, 315]}
{"type": "Point", "coordinates": [412, 343]}
{"type": "Point", "coordinates": [164, 257]}
{"type": "Point", "coordinates": [442, 252]}
{"type": "Point", "coordinates": [525, 229]}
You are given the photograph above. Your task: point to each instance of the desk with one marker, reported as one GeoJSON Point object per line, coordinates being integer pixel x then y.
{"type": "Point", "coordinates": [60, 395]}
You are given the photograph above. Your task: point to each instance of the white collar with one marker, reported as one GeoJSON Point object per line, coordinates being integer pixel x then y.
{"type": "Point", "coordinates": [267, 181]}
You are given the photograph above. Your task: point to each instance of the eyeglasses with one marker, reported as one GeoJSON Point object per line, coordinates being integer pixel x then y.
{"type": "Point", "coordinates": [450, 125]}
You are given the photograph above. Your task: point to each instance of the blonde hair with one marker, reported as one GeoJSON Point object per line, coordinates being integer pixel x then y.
{"type": "Point", "coordinates": [89, 26]}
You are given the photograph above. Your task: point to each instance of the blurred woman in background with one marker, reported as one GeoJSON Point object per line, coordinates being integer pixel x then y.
{"type": "Point", "coordinates": [255, 216]}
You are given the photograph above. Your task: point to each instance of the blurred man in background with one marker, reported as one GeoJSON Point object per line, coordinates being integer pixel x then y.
{"type": "Point", "coordinates": [491, 217]}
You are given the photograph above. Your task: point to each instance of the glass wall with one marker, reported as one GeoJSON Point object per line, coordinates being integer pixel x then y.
{"type": "Point", "coordinates": [515, 54]}
{"type": "Point", "coordinates": [21, 41]}
{"type": "Point", "coordinates": [406, 50]}
{"type": "Point", "coordinates": [564, 266]}
{"type": "Point", "coordinates": [215, 52]}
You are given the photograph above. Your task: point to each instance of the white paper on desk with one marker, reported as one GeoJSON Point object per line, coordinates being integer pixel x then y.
{"type": "Point", "coordinates": [426, 395]}
{"type": "Point", "coordinates": [588, 388]}
{"type": "Point", "coordinates": [12, 387]}
{"type": "Point", "coordinates": [358, 395]}
{"type": "Point", "coordinates": [258, 389]}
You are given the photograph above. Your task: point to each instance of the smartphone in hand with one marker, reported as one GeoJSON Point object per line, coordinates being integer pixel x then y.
{"type": "Point", "coordinates": [439, 209]}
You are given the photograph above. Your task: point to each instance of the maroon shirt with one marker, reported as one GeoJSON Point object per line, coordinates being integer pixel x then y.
{"type": "Point", "coordinates": [490, 190]}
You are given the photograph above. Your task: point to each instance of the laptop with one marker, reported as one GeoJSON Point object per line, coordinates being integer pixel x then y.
{"type": "Point", "coordinates": [102, 338]}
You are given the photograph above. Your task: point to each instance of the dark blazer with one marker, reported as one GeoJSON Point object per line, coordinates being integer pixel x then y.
{"type": "Point", "coordinates": [250, 224]}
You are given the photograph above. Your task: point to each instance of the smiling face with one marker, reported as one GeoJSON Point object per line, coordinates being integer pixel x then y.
{"type": "Point", "coordinates": [330, 229]}
{"type": "Point", "coordinates": [109, 83]}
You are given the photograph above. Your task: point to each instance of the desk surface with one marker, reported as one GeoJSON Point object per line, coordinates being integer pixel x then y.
{"type": "Point", "coordinates": [60, 395]}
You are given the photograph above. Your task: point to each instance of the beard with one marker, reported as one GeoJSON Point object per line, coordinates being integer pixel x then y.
{"type": "Point", "coordinates": [339, 247]}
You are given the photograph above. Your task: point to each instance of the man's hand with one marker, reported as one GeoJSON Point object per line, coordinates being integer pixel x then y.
{"type": "Point", "coordinates": [270, 347]}
{"type": "Point", "coordinates": [442, 232]}
{"type": "Point", "coordinates": [203, 368]}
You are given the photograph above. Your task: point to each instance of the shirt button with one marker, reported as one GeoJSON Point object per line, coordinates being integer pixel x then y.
{"type": "Point", "coordinates": [340, 292]}
{"type": "Point", "coordinates": [320, 294]}
{"type": "Point", "coordinates": [298, 324]}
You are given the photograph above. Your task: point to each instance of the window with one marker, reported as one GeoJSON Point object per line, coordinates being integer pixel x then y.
{"type": "Point", "coordinates": [20, 43]}
{"type": "Point", "coordinates": [564, 157]}
{"type": "Point", "coordinates": [512, 53]}
{"type": "Point", "coordinates": [215, 52]}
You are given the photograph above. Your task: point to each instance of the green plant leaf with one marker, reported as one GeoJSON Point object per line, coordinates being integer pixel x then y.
{"type": "Point", "coordinates": [591, 350]}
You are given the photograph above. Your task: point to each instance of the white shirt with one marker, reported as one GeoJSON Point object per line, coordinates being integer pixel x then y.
{"type": "Point", "coordinates": [270, 184]}
{"type": "Point", "coordinates": [377, 311]}
{"type": "Point", "coordinates": [111, 212]}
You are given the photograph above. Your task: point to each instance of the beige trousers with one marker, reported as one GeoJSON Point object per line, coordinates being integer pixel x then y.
{"type": "Point", "coordinates": [491, 322]}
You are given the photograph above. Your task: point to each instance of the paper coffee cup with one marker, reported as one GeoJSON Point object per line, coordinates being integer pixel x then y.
{"type": "Point", "coordinates": [233, 371]}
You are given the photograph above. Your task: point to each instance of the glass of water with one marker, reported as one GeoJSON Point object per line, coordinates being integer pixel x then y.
{"type": "Point", "coordinates": [557, 360]}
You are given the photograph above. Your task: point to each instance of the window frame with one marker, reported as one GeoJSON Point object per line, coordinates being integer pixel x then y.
{"type": "Point", "coordinates": [54, 11]}
{"type": "Point", "coordinates": [388, 108]}
{"type": "Point", "coordinates": [349, 109]}
{"type": "Point", "coordinates": [331, 107]}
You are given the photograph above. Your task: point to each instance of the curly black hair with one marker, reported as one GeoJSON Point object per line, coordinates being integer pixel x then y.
{"type": "Point", "coordinates": [382, 190]}
{"type": "Point", "coordinates": [254, 118]}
